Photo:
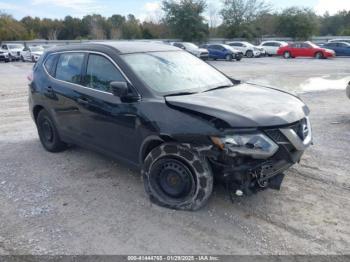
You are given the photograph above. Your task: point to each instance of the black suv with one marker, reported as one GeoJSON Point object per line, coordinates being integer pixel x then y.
{"type": "Point", "coordinates": [166, 112]}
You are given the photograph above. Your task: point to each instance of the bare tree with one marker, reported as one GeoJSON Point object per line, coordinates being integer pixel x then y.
{"type": "Point", "coordinates": [213, 14]}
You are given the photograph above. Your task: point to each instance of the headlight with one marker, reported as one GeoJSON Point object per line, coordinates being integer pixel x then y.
{"type": "Point", "coordinates": [256, 145]}
{"type": "Point", "coordinates": [256, 49]}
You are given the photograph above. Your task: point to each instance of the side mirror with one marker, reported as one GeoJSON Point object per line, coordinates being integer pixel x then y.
{"type": "Point", "coordinates": [119, 88]}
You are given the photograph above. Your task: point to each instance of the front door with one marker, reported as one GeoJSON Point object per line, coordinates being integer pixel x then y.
{"type": "Point", "coordinates": [107, 123]}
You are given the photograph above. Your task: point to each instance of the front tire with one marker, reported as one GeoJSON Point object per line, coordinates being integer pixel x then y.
{"type": "Point", "coordinates": [48, 133]}
{"type": "Point", "coordinates": [22, 58]}
{"type": "Point", "coordinates": [319, 55]}
{"type": "Point", "coordinates": [177, 177]}
{"type": "Point", "coordinates": [249, 54]}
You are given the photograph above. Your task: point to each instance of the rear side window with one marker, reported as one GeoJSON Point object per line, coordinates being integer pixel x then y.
{"type": "Point", "coordinates": [100, 73]}
{"type": "Point", "coordinates": [69, 67]}
{"type": "Point", "coordinates": [50, 64]}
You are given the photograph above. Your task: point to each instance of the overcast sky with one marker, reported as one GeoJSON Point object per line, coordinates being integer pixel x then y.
{"type": "Point", "coordinates": [143, 9]}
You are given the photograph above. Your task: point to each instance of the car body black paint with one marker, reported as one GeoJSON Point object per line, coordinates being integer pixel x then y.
{"type": "Point", "coordinates": [123, 130]}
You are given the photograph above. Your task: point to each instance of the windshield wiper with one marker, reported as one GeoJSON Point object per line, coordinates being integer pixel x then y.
{"type": "Point", "coordinates": [181, 94]}
{"type": "Point", "coordinates": [218, 87]}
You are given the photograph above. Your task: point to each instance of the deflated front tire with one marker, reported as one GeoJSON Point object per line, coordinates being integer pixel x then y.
{"type": "Point", "coordinates": [177, 177]}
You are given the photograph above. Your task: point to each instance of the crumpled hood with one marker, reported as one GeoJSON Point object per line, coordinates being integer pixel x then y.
{"type": "Point", "coordinates": [245, 105]}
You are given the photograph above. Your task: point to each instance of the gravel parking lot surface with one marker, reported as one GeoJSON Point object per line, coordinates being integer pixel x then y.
{"type": "Point", "coordinates": [79, 202]}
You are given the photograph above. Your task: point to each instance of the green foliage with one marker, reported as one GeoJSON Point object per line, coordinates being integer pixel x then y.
{"type": "Point", "coordinates": [185, 19]}
{"type": "Point", "coordinates": [239, 16]}
{"type": "Point", "coordinates": [11, 29]}
{"type": "Point", "coordinates": [298, 23]}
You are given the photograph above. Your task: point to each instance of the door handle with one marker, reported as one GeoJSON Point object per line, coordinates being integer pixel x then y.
{"type": "Point", "coordinates": [83, 101]}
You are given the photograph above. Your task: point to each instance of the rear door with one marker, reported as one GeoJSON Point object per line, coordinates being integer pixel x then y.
{"type": "Point", "coordinates": [61, 90]}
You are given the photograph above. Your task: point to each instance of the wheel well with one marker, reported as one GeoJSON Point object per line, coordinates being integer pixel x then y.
{"type": "Point", "coordinates": [149, 147]}
{"type": "Point", "coordinates": [36, 111]}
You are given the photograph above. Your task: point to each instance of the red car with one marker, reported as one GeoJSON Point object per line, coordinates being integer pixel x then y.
{"type": "Point", "coordinates": [306, 49]}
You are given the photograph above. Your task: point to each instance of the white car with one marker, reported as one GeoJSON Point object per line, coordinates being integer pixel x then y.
{"type": "Point", "coordinates": [248, 49]}
{"type": "Point", "coordinates": [4, 56]}
{"type": "Point", "coordinates": [271, 47]}
{"type": "Point", "coordinates": [14, 50]}
{"type": "Point", "coordinates": [193, 49]}
{"type": "Point", "coordinates": [32, 53]}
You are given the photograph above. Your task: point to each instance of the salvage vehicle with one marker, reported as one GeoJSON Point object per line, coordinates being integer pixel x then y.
{"type": "Point", "coordinates": [248, 49]}
{"type": "Point", "coordinates": [340, 48]}
{"type": "Point", "coordinates": [162, 110]}
{"type": "Point", "coordinates": [305, 49]}
{"type": "Point", "coordinates": [193, 49]}
{"type": "Point", "coordinates": [271, 47]}
{"type": "Point", "coordinates": [221, 51]}
{"type": "Point", "coordinates": [4, 56]}
{"type": "Point", "coordinates": [32, 53]}
{"type": "Point", "coordinates": [14, 50]}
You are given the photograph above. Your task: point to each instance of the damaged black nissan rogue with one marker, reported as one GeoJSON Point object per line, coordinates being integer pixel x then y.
{"type": "Point", "coordinates": [171, 115]}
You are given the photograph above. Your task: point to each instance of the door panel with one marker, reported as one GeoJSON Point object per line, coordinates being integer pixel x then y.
{"type": "Point", "coordinates": [107, 122]}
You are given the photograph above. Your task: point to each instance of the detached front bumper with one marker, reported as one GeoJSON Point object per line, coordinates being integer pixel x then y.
{"type": "Point", "coordinates": [247, 175]}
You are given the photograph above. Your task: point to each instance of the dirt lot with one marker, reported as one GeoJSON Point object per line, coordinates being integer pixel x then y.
{"type": "Point", "coordinates": [79, 202]}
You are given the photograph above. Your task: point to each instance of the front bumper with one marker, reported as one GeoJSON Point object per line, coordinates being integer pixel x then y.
{"type": "Point", "coordinates": [250, 175]}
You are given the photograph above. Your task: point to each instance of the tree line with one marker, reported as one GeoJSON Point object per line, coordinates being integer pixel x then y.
{"type": "Point", "coordinates": [189, 20]}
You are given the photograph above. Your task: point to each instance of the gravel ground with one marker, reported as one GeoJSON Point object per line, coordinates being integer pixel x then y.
{"type": "Point", "coordinates": [79, 202]}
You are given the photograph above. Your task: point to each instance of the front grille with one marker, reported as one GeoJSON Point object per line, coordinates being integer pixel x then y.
{"type": "Point", "coordinates": [277, 136]}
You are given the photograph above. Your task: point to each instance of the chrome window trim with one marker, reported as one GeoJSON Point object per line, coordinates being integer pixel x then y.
{"type": "Point", "coordinates": [88, 52]}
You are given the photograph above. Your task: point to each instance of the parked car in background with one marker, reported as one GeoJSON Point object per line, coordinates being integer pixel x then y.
{"type": "Point", "coordinates": [32, 53]}
{"type": "Point", "coordinates": [271, 47]}
{"type": "Point", "coordinates": [193, 49]}
{"type": "Point", "coordinates": [14, 50]}
{"type": "Point", "coordinates": [248, 49]}
{"type": "Point", "coordinates": [305, 49]}
{"type": "Point", "coordinates": [48, 46]}
{"type": "Point", "coordinates": [4, 56]}
{"type": "Point", "coordinates": [340, 48]}
{"type": "Point", "coordinates": [222, 51]}
{"type": "Point", "coordinates": [339, 40]}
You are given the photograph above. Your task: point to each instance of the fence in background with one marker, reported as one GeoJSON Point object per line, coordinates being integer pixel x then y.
{"type": "Point", "coordinates": [316, 39]}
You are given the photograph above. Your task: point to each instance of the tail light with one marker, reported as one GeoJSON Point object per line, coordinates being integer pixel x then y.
{"type": "Point", "coordinates": [30, 77]}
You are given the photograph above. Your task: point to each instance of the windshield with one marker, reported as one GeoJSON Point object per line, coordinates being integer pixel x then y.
{"type": "Point", "coordinates": [36, 49]}
{"type": "Point", "coordinates": [229, 47]}
{"type": "Point", "coordinates": [190, 45]}
{"type": "Point", "coordinates": [15, 46]}
{"type": "Point", "coordinates": [312, 44]}
{"type": "Point", "coordinates": [175, 72]}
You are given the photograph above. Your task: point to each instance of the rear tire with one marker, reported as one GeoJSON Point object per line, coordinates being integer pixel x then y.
{"type": "Point", "coordinates": [177, 177]}
{"type": "Point", "coordinates": [287, 55]}
{"type": "Point", "coordinates": [48, 134]}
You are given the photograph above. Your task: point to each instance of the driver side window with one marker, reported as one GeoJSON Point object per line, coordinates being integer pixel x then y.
{"type": "Point", "coordinates": [100, 73]}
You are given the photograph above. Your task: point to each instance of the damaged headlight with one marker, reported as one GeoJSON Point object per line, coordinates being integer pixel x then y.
{"type": "Point", "coordinates": [256, 145]}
